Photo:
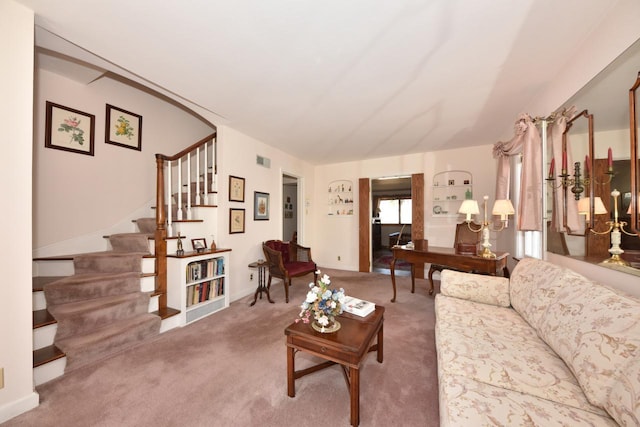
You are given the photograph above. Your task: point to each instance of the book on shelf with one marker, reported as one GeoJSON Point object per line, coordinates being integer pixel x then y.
{"type": "Point", "coordinates": [357, 306]}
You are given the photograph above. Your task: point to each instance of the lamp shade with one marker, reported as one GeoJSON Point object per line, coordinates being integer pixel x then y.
{"type": "Point", "coordinates": [583, 206]}
{"type": "Point", "coordinates": [469, 207]}
{"type": "Point", "coordinates": [503, 207]}
{"type": "Point", "coordinates": [599, 206]}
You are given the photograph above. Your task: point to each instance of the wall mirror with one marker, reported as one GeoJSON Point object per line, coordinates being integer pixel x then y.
{"type": "Point", "coordinates": [607, 98]}
{"type": "Point", "coordinates": [634, 108]}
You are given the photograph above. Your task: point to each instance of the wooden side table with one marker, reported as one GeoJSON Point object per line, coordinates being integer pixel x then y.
{"type": "Point", "coordinates": [347, 347]}
{"type": "Point", "coordinates": [262, 274]}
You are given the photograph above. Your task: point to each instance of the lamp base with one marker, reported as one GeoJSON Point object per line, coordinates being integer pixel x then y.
{"type": "Point", "coordinates": [486, 253]}
{"type": "Point", "coordinates": [616, 260]}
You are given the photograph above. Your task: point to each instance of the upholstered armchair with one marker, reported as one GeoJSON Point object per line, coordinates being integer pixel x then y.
{"type": "Point", "coordinates": [287, 260]}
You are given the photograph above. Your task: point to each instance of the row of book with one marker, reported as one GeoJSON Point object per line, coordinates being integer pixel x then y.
{"type": "Point", "coordinates": [207, 268]}
{"type": "Point", "coordinates": [205, 291]}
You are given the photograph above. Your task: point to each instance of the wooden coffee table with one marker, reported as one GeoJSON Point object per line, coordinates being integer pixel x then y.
{"type": "Point", "coordinates": [347, 347]}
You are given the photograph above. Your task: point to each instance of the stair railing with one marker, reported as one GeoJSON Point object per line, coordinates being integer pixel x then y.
{"type": "Point", "coordinates": [192, 166]}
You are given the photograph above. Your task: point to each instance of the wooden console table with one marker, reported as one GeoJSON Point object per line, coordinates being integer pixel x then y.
{"type": "Point", "coordinates": [449, 258]}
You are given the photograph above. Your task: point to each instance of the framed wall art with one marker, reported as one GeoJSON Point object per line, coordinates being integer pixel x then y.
{"type": "Point", "coordinates": [123, 128]}
{"type": "Point", "coordinates": [236, 189]}
{"type": "Point", "coordinates": [68, 129]}
{"type": "Point", "coordinates": [260, 206]}
{"type": "Point", "coordinates": [236, 221]}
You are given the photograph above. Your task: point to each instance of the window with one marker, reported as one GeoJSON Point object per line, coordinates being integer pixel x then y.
{"type": "Point", "coordinates": [528, 243]}
{"type": "Point", "coordinates": [395, 211]}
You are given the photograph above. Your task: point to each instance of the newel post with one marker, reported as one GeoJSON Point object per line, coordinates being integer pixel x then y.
{"type": "Point", "coordinates": [160, 236]}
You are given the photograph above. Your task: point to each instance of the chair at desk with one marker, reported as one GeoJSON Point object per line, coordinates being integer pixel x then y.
{"type": "Point", "coordinates": [464, 239]}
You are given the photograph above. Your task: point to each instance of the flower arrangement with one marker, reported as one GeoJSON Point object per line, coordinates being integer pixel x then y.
{"type": "Point", "coordinates": [322, 304]}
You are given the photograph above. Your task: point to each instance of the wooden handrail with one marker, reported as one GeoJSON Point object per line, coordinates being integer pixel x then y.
{"type": "Point", "coordinates": [188, 149]}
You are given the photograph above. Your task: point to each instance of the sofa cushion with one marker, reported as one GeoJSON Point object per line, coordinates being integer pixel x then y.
{"type": "Point", "coordinates": [596, 330]}
{"type": "Point", "coordinates": [624, 401]}
{"type": "Point", "coordinates": [534, 284]}
{"type": "Point", "coordinates": [465, 402]}
{"type": "Point", "coordinates": [486, 289]}
{"type": "Point", "coordinates": [494, 345]}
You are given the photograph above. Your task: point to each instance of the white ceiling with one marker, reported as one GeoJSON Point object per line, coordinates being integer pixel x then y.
{"type": "Point", "coordinates": [336, 80]}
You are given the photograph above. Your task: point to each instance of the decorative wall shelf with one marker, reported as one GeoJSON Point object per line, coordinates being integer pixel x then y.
{"type": "Point", "coordinates": [340, 198]}
{"type": "Point", "coordinates": [450, 188]}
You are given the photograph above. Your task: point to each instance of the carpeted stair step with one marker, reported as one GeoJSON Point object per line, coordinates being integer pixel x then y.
{"type": "Point", "coordinates": [108, 340]}
{"type": "Point", "coordinates": [107, 262]}
{"type": "Point", "coordinates": [80, 317]}
{"type": "Point", "coordinates": [130, 242]}
{"type": "Point", "coordinates": [90, 286]}
{"type": "Point", "coordinates": [146, 225]}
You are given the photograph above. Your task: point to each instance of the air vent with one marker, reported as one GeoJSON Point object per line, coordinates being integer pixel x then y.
{"type": "Point", "coordinates": [263, 161]}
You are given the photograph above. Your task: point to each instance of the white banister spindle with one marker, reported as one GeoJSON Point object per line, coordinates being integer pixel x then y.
{"type": "Point", "coordinates": [205, 181]}
{"type": "Point", "coordinates": [198, 200]}
{"type": "Point", "coordinates": [188, 184]}
{"type": "Point", "coordinates": [179, 177]}
{"type": "Point", "coordinates": [169, 198]}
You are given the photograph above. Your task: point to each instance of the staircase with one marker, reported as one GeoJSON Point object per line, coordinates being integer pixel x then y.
{"type": "Point", "coordinates": [87, 307]}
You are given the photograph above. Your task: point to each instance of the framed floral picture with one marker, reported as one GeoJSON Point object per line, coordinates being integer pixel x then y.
{"type": "Point", "coordinates": [68, 129]}
{"type": "Point", "coordinates": [123, 128]}
{"type": "Point", "coordinates": [260, 206]}
{"type": "Point", "coordinates": [236, 221]}
{"type": "Point", "coordinates": [236, 189]}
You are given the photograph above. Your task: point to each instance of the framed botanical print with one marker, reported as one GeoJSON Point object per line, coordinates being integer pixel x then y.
{"type": "Point", "coordinates": [236, 189]}
{"type": "Point", "coordinates": [68, 129]}
{"type": "Point", "coordinates": [123, 128]}
{"type": "Point", "coordinates": [260, 206]}
{"type": "Point", "coordinates": [236, 221]}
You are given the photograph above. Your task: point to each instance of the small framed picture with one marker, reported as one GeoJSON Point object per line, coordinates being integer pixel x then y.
{"type": "Point", "coordinates": [199, 245]}
{"type": "Point", "coordinates": [466, 182]}
{"type": "Point", "coordinates": [123, 128]}
{"type": "Point", "coordinates": [68, 129]}
{"type": "Point", "coordinates": [452, 182]}
{"type": "Point", "coordinates": [236, 189]}
{"type": "Point", "coordinates": [236, 221]}
{"type": "Point", "coordinates": [260, 206]}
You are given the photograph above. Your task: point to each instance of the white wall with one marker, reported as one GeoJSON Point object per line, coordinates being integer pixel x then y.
{"type": "Point", "coordinates": [237, 153]}
{"type": "Point", "coordinates": [16, 118]}
{"type": "Point", "coordinates": [338, 235]}
{"type": "Point", "coordinates": [77, 196]}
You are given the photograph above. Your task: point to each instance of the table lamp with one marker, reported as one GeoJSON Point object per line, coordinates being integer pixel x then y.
{"type": "Point", "coordinates": [501, 207]}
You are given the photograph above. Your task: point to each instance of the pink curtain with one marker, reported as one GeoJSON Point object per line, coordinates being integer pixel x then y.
{"type": "Point", "coordinates": [526, 141]}
{"type": "Point", "coordinates": [574, 224]}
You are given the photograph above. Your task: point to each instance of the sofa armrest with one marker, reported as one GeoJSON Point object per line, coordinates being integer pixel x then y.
{"type": "Point", "coordinates": [475, 287]}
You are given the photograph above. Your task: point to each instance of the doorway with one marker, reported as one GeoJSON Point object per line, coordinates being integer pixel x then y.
{"type": "Point", "coordinates": [391, 223]}
{"type": "Point", "coordinates": [289, 206]}
{"type": "Point", "coordinates": [366, 214]}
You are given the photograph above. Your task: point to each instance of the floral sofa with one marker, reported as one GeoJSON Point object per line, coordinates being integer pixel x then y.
{"type": "Point", "coordinates": [546, 347]}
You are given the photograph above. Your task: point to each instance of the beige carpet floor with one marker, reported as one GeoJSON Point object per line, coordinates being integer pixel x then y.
{"type": "Point", "coordinates": [229, 369]}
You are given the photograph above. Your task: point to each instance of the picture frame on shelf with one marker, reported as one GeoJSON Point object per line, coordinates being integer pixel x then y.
{"type": "Point", "coordinates": [199, 245]}
{"type": "Point", "coordinates": [123, 128]}
{"type": "Point", "coordinates": [260, 206]}
{"type": "Point", "coordinates": [236, 189]}
{"type": "Point", "coordinates": [69, 129]}
{"type": "Point", "coordinates": [236, 220]}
